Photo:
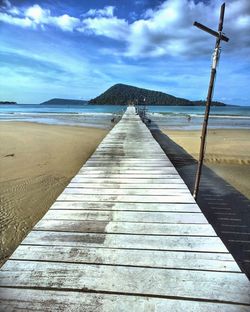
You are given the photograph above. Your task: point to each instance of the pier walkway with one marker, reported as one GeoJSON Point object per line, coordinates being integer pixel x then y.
{"type": "Point", "coordinates": [125, 235]}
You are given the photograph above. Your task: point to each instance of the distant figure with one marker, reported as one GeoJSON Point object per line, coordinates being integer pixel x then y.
{"type": "Point", "coordinates": [113, 119]}
{"type": "Point", "coordinates": [189, 118]}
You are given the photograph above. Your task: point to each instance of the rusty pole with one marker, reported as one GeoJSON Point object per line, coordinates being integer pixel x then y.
{"type": "Point", "coordinates": [219, 36]}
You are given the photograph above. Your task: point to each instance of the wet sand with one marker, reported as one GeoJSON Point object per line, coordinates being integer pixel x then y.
{"type": "Point", "coordinates": [227, 153]}
{"type": "Point", "coordinates": [37, 161]}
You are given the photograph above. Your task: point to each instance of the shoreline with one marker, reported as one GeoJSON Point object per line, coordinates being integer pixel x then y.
{"type": "Point", "coordinates": [37, 161]}
{"type": "Point", "coordinates": [168, 117]}
{"type": "Point", "coordinates": [85, 120]}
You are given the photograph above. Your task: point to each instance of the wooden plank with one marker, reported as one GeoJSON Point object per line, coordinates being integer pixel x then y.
{"type": "Point", "coordinates": [131, 161]}
{"type": "Point", "coordinates": [177, 243]}
{"type": "Point", "coordinates": [150, 147]}
{"type": "Point", "coordinates": [84, 179]}
{"type": "Point", "coordinates": [99, 185]}
{"type": "Point", "coordinates": [116, 156]}
{"type": "Point", "coordinates": [126, 166]}
{"type": "Point", "coordinates": [123, 143]}
{"type": "Point", "coordinates": [129, 144]}
{"type": "Point", "coordinates": [130, 164]}
{"type": "Point", "coordinates": [126, 216]}
{"type": "Point", "coordinates": [127, 152]}
{"type": "Point", "coordinates": [116, 191]}
{"type": "Point", "coordinates": [126, 206]}
{"type": "Point", "coordinates": [129, 257]}
{"type": "Point", "coordinates": [182, 198]}
{"type": "Point", "coordinates": [13, 299]}
{"type": "Point", "coordinates": [219, 286]}
{"type": "Point", "coordinates": [128, 175]}
{"type": "Point", "coordinates": [125, 227]}
{"type": "Point", "coordinates": [120, 170]}
{"type": "Point", "coordinates": [113, 157]}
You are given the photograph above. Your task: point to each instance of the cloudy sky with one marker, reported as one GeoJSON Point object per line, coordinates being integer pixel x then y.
{"type": "Point", "coordinates": [77, 49]}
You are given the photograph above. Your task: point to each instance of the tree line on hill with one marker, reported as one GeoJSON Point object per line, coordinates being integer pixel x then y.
{"type": "Point", "coordinates": [121, 94]}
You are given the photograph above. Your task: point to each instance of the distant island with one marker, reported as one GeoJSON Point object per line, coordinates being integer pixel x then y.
{"type": "Point", "coordinates": [122, 94]}
{"type": "Point", "coordinates": [58, 101]}
{"type": "Point", "coordinates": [8, 103]}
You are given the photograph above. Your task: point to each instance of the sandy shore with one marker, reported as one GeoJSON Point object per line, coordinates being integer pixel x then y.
{"type": "Point", "coordinates": [227, 153]}
{"type": "Point", "coordinates": [36, 163]}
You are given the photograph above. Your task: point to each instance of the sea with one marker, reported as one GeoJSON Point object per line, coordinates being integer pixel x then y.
{"type": "Point", "coordinates": [104, 116]}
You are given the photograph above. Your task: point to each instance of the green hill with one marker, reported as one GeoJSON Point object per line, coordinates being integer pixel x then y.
{"type": "Point", "coordinates": [8, 103]}
{"type": "Point", "coordinates": [121, 94]}
{"type": "Point", "coordinates": [57, 101]}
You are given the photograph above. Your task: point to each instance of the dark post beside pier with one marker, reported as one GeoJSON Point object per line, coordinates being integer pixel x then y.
{"type": "Point", "coordinates": [219, 36]}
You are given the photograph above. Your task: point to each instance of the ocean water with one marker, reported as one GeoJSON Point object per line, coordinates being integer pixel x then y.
{"type": "Point", "coordinates": [170, 117]}
{"type": "Point", "coordinates": [80, 115]}
{"type": "Point", "coordinates": [191, 118]}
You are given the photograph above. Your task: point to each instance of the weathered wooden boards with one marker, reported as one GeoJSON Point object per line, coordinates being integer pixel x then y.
{"type": "Point", "coordinates": [125, 235]}
{"type": "Point", "coordinates": [32, 300]}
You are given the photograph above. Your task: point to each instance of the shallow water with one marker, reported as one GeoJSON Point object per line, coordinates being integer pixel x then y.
{"type": "Point", "coordinates": [167, 117]}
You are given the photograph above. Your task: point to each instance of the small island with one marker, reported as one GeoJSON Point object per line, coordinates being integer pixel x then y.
{"type": "Point", "coordinates": [8, 103]}
{"type": "Point", "coordinates": [122, 94]}
{"type": "Point", "coordinates": [59, 101]}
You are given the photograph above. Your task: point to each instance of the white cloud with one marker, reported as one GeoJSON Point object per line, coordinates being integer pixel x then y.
{"type": "Point", "coordinates": [148, 13]}
{"type": "Point", "coordinates": [22, 22]}
{"type": "Point", "coordinates": [243, 21]}
{"type": "Point", "coordinates": [10, 8]}
{"type": "Point", "coordinates": [44, 17]}
{"type": "Point", "coordinates": [107, 11]}
{"type": "Point", "coordinates": [102, 22]}
{"type": "Point", "coordinates": [37, 16]}
{"type": "Point", "coordinates": [65, 22]}
{"type": "Point", "coordinates": [168, 29]}
{"type": "Point", "coordinates": [14, 11]}
{"type": "Point", "coordinates": [164, 30]}
{"type": "Point", "coordinates": [109, 27]}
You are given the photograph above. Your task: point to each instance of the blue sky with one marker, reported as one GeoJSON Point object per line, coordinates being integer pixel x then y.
{"type": "Point", "coordinates": [77, 49]}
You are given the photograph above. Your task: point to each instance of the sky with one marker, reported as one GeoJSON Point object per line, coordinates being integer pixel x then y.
{"type": "Point", "coordinates": [76, 49]}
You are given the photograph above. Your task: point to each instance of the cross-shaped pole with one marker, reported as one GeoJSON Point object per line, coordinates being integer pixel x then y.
{"type": "Point", "coordinates": [219, 36]}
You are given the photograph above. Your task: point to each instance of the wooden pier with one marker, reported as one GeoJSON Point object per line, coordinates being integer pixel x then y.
{"type": "Point", "coordinates": [125, 235]}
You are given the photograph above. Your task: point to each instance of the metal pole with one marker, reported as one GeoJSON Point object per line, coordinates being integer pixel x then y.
{"type": "Point", "coordinates": [208, 103]}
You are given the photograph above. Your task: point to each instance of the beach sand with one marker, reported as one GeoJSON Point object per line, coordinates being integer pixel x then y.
{"type": "Point", "coordinates": [37, 161]}
{"type": "Point", "coordinates": [227, 153]}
